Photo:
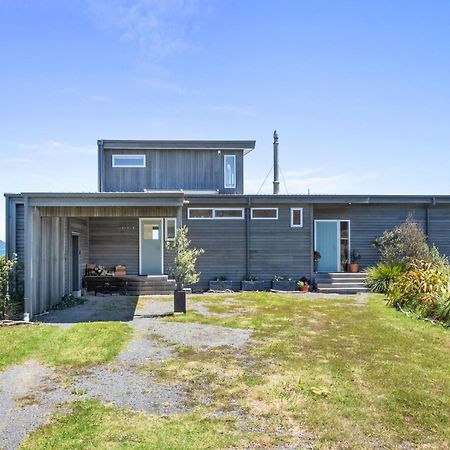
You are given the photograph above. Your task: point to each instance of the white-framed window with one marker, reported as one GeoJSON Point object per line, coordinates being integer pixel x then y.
{"type": "Point", "coordinates": [215, 213]}
{"type": "Point", "coordinates": [229, 171]}
{"type": "Point", "coordinates": [264, 213]}
{"type": "Point", "coordinates": [200, 213]}
{"type": "Point", "coordinates": [171, 229]}
{"type": "Point", "coordinates": [296, 217]}
{"type": "Point", "coordinates": [228, 213]}
{"type": "Point", "coordinates": [128, 161]}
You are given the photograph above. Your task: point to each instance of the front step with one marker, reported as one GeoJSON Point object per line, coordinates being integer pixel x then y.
{"type": "Point", "coordinates": [341, 282]}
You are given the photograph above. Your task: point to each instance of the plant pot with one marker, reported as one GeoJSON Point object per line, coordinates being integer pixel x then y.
{"type": "Point", "coordinates": [221, 285]}
{"type": "Point", "coordinates": [252, 285]}
{"type": "Point", "coordinates": [353, 268]}
{"type": "Point", "coordinates": [304, 288]}
{"type": "Point", "coordinates": [284, 285]}
{"type": "Point", "coordinates": [179, 302]}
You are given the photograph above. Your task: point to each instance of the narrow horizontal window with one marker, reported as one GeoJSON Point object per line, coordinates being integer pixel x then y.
{"type": "Point", "coordinates": [229, 168]}
{"type": "Point", "coordinates": [215, 213]}
{"type": "Point", "coordinates": [200, 213]}
{"type": "Point", "coordinates": [171, 229]}
{"type": "Point", "coordinates": [264, 213]}
{"type": "Point", "coordinates": [296, 217]}
{"type": "Point", "coordinates": [233, 213]}
{"type": "Point", "coordinates": [128, 160]}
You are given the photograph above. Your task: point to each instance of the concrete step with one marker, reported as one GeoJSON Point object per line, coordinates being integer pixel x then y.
{"type": "Point", "coordinates": [341, 285]}
{"type": "Point", "coordinates": [340, 275]}
{"type": "Point", "coordinates": [341, 290]}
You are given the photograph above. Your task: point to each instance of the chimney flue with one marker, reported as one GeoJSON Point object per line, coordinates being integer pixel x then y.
{"type": "Point", "coordinates": [276, 179]}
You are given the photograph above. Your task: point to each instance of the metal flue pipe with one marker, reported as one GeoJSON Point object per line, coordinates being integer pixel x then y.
{"type": "Point", "coordinates": [276, 178]}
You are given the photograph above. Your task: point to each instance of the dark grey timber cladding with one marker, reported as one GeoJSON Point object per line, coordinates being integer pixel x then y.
{"type": "Point", "coordinates": [113, 241]}
{"type": "Point", "coordinates": [20, 232]}
{"type": "Point", "coordinates": [367, 222]}
{"type": "Point", "coordinates": [171, 169]}
{"type": "Point", "coordinates": [224, 244]}
{"type": "Point", "coordinates": [278, 249]}
{"type": "Point", "coordinates": [439, 227]}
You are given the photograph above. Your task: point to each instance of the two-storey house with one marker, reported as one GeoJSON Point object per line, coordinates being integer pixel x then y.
{"type": "Point", "coordinates": [147, 189]}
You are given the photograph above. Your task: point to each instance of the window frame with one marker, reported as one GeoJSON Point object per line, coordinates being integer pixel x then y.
{"type": "Point", "coordinates": [229, 209]}
{"type": "Point", "coordinates": [200, 218]}
{"type": "Point", "coordinates": [225, 186]}
{"type": "Point", "coordinates": [124, 156]}
{"type": "Point", "coordinates": [174, 220]}
{"type": "Point", "coordinates": [213, 217]}
{"type": "Point", "coordinates": [293, 225]}
{"type": "Point", "coordinates": [252, 217]}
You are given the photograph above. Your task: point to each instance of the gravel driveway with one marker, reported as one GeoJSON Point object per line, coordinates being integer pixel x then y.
{"type": "Point", "coordinates": [31, 392]}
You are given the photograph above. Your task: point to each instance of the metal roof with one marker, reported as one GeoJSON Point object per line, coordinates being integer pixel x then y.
{"type": "Point", "coordinates": [125, 144]}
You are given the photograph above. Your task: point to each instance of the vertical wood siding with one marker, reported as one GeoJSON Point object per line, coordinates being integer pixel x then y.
{"type": "Point", "coordinates": [172, 169]}
{"type": "Point", "coordinates": [20, 231]}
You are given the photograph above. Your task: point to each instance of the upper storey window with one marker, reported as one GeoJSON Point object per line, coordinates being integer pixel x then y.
{"type": "Point", "coordinates": [128, 160]}
{"type": "Point", "coordinates": [229, 167]}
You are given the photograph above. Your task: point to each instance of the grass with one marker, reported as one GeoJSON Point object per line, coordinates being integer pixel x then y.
{"type": "Point", "coordinates": [337, 373]}
{"type": "Point", "coordinates": [355, 375]}
{"type": "Point", "coordinates": [95, 426]}
{"type": "Point", "coordinates": [79, 345]}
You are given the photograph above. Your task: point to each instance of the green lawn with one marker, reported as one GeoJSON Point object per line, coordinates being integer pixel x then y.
{"type": "Point", "coordinates": [80, 345]}
{"type": "Point", "coordinates": [337, 373]}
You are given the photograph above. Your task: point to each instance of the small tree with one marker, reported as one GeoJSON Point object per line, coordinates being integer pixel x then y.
{"type": "Point", "coordinates": [403, 243]}
{"type": "Point", "coordinates": [10, 286]}
{"type": "Point", "coordinates": [185, 259]}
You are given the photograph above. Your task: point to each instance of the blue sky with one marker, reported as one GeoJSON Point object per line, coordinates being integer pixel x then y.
{"type": "Point", "coordinates": [358, 90]}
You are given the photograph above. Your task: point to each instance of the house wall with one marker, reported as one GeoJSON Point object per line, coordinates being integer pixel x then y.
{"type": "Point", "coordinates": [115, 240]}
{"type": "Point", "coordinates": [172, 169]}
{"type": "Point", "coordinates": [439, 227]}
{"type": "Point", "coordinates": [367, 222]}
{"type": "Point", "coordinates": [274, 248]}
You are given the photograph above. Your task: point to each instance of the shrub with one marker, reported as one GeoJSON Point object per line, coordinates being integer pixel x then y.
{"type": "Point", "coordinates": [380, 277]}
{"type": "Point", "coordinates": [249, 277]}
{"type": "Point", "coordinates": [11, 287]}
{"type": "Point", "coordinates": [421, 288]}
{"type": "Point", "coordinates": [185, 258]}
{"type": "Point", "coordinates": [403, 244]}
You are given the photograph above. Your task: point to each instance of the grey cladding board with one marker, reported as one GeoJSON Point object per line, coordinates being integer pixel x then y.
{"type": "Point", "coordinates": [278, 249]}
{"type": "Point", "coordinates": [171, 170]}
{"type": "Point", "coordinates": [114, 241]}
{"type": "Point", "coordinates": [367, 222]}
{"type": "Point", "coordinates": [439, 228]}
{"type": "Point", "coordinates": [274, 247]}
{"type": "Point", "coordinates": [20, 231]}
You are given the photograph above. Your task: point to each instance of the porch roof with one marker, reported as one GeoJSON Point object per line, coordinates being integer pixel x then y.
{"type": "Point", "coordinates": [101, 199]}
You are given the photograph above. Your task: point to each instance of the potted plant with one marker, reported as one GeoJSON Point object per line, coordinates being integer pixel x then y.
{"type": "Point", "coordinates": [220, 284]}
{"type": "Point", "coordinates": [353, 266]}
{"type": "Point", "coordinates": [183, 266]}
{"type": "Point", "coordinates": [251, 283]}
{"type": "Point", "coordinates": [316, 257]}
{"type": "Point", "coordinates": [283, 283]}
{"type": "Point", "coordinates": [303, 284]}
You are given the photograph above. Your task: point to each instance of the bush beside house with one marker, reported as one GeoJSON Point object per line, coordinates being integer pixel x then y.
{"type": "Point", "coordinates": [414, 277]}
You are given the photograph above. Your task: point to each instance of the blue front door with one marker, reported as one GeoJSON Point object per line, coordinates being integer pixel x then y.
{"type": "Point", "coordinates": [150, 251]}
{"type": "Point", "coordinates": [327, 245]}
